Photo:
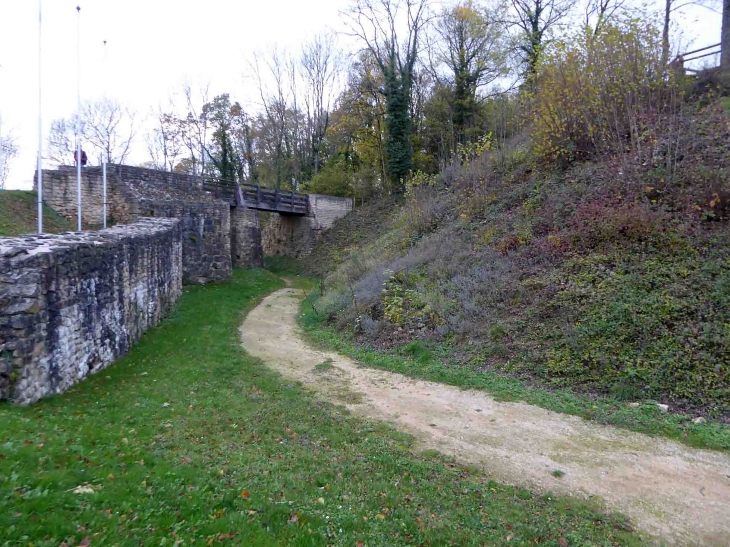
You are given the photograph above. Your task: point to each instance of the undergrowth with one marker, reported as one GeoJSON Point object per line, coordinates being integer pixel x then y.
{"type": "Point", "coordinates": [607, 277]}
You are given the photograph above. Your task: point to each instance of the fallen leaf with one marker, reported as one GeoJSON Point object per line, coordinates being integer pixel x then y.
{"type": "Point", "coordinates": [245, 494]}
{"type": "Point", "coordinates": [294, 518]}
{"type": "Point", "coordinates": [380, 516]}
{"type": "Point", "coordinates": [85, 542]}
{"type": "Point", "coordinates": [320, 500]}
{"type": "Point", "coordinates": [563, 542]}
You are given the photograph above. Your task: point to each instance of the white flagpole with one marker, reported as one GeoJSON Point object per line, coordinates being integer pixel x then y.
{"type": "Point", "coordinates": [78, 114]}
{"type": "Point", "coordinates": [103, 159]}
{"type": "Point", "coordinates": [40, 123]}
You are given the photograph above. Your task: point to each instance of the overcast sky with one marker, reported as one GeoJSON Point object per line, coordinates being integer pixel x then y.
{"type": "Point", "coordinates": [153, 46]}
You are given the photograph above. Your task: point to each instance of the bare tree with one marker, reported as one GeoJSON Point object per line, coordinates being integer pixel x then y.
{"type": "Point", "coordinates": [599, 12]}
{"type": "Point", "coordinates": [321, 66]}
{"type": "Point", "coordinates": [275, 97]}
{"type": "Point", "coordinates": [194, 126]}
{"type": "Point", "coordinates": [109, 128]}
{"type": "Point", "coordinates": [104, 125]}
{"type": "Point", "coordinates": [8, 151]}
{"type": "Point", "coordinates": [61, 140]}
{"type": "Point", "coordinates": [535, 19]}
{"type": "Point", "coordinates": [672, 6]}
{"type": "Point", "coordinates": [164, 140]}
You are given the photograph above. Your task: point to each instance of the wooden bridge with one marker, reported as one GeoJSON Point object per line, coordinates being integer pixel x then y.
{"type": "Point", "coordinates": [257, 197]}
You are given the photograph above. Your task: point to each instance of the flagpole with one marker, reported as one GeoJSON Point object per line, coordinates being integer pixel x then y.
{"type": "Point", "coordinates": [40, 121]}
{"type": "Point", "coordinates": [78, 114]}
{"type": "Point", "coordinates": [103, 159]}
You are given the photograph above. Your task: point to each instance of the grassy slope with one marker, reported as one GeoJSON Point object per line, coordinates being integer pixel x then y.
{"type": "Point", "coordinates": [18, 215]}
{"type": "Point", "coordinates": [574, 290]}
{"type": "Point", "coordinates": [188, 438]}
{"type": "Point", "coordinates": [360, 227]}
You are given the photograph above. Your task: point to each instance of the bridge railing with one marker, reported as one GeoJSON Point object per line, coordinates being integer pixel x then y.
{"type": "Point", "coordinates": [257, 197]}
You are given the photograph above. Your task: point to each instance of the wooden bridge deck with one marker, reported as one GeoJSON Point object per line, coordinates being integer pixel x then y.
{"type": "Point", "coordinates": [259, 197]}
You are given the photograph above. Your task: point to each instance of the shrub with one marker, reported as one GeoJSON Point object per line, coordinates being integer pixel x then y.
{"type": "Point", "coordinates": [598, 93]}
{"type": "Point", "coordinates": [332, 180]}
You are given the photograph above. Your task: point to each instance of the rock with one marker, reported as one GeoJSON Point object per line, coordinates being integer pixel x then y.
{"type": "Point", "coordinates": [699, 421]}
{"type": "Point", "coordinates": [634, 405]}
{"type": "Point", "coordinates": [663, 408]}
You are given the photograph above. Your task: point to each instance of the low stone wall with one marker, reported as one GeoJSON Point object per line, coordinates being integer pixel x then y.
{"type": "Point", "coordinates": [72, 304]}
{"type": "Point", "coordinates": [289, 235]}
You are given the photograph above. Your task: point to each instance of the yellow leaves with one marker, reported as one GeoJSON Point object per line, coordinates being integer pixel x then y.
{"type": "Point", "coordinates": [320, 501]}
{"type": "Point", "coordinates": [380, 516]}
{"type": "Point", "coordinates": [245, 494]}
{"type": "Point", "coordinates": [218, 514]}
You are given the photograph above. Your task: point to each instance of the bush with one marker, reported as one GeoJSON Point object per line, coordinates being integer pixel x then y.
{"type": "Point", "coordinates": [598, 93]}
{"type": "Point", "coordinates": [331, 180]}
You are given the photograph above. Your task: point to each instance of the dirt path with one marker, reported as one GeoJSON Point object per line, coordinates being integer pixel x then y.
{"type": "Point", "coordinates": [671, 491]}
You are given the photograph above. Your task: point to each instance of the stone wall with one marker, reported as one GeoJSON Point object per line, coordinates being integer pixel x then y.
{"type": "Point", "coordinates": [60, 192]}
{"type": "Point", "coordinates": [136, 192]}
{"type": "Point", "coordinates": [289, 235]}
{"type": "Point", "coordinates": [71, 304]}
{"type": "Point", "coordinates": [206, 228]}
{"type": "Point", "coordinates": [327, 209]}
{"type": "Point", "coordinates": [246, 248]}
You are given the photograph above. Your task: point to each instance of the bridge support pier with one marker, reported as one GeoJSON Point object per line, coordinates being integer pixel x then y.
{"type": "Point", "coordinates": [246, 248]}
{"type": "Point", "coordinates": [295, 235]}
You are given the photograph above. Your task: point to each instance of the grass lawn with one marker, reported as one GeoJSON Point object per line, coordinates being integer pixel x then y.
{"type": "Point", "coordinates": [190, 440]}
{"type": "Point", "coordinates": [435, 363]}
{"type": "Point", "coordinates": [18, 215]}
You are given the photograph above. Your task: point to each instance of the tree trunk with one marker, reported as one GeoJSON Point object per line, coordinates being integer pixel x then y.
{"type": "Point", "coordinates": [665, 32]}
{"type": "Point", "coordinates": [725, 40]}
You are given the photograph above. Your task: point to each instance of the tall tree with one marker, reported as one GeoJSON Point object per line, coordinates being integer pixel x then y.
{"type": "Point", "coordinates": [535, 19]}
{"type": "Point", "coordinates": [391, 31]}
{"type": "Point", "coordinates": [221, 152]}
{"type": "Point", "coordinates": [164, 140]}
{"type": "Point", "coordinates": [472, 48]}
{"type": "Point", "coordinates": [321, 65]}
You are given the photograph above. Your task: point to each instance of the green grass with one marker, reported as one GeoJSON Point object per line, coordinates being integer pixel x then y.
{"type": "Point", "coordinates": [436, 365]}
{"type": "Point", "coordinates": [18, 215]}
{"type": "Point", "coordinates": [188, 439]}
{"type": "Point", "coordinates": [725, 102]}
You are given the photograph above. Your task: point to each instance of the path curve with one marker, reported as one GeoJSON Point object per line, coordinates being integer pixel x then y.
{"type": "Point", "coordinates": [679, 494]}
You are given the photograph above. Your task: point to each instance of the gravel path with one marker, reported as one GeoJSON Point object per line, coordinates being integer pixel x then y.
{"type": "Point", "coordinates": [676, 493]}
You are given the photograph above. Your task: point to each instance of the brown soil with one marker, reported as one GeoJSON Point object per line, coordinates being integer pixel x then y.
{"type": "Point", "coordinates": [678, 494]}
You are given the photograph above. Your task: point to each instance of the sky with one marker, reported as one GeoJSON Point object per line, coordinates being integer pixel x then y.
{"type": "Point", "coordinates": [154, 46]}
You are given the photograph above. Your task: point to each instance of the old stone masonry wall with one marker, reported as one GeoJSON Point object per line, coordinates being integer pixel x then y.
{"type": "Point", "coordinates": [71, 304]}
